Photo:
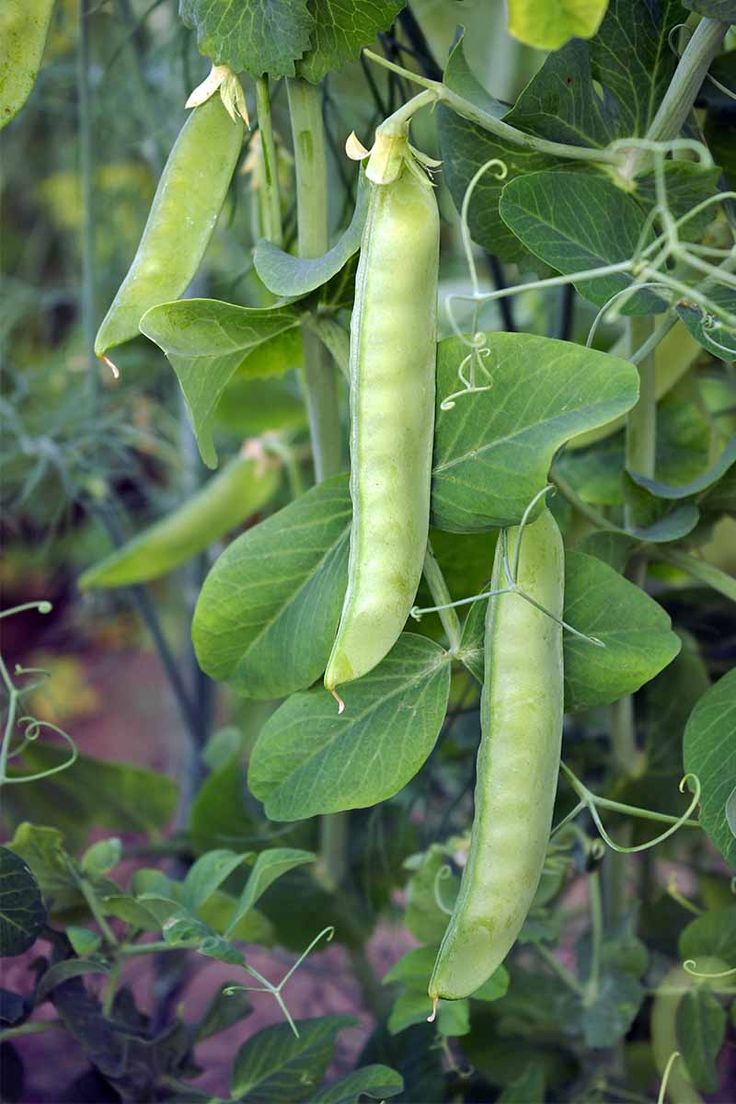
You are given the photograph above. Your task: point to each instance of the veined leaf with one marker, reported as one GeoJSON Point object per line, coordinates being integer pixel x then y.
{"type": "Point", "coordinates": [710, 753]}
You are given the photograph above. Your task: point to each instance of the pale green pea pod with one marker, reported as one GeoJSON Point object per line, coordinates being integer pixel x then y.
{"type": "Point", "coordinates": [242, 488]}
{"type": "Point", "coordinates": [188, 200]}
{"type": "Point", "coordinates": [518, 763]}
{"type": "Point", "coordinates": [392, 386]}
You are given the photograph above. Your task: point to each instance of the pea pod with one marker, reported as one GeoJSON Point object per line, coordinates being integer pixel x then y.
{"type": "Point", "coordinates": [392, 382]}
{"type": "Point", "coordinates": [518, 762]}
{"type": "Point", "coordinates": [242, 487]}
{"type": "Point", "coordinates": [183, 215]}
{"type": "Point", "coordinates": [24, 25]}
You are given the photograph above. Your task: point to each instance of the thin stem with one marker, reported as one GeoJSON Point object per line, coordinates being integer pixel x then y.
{"type": "Point", "coordinates": [86, 171]}
{"type": "Point", "coordinates": [699, 569]}
{"type": "Point", "coordinates": [94, 907]}
{"type": "Point", "coordinates": [626, 755]}
{"type": "Point", "coordinates": [36, 1027]}
{"type": "Point", "coordinates": [596, 934]}
{"type": "Point", "coordinates": [488, 122]}
{"type": "Point", "coordinates": [565, 975]}
{"type": "Point", "coordinates": [641, 421]}
{"type": "Point", "coordinates": [310, 157]}
{"type": "Point", "coordinates": [442, 597]}
{"type": "Point", "coordinates": [133, 949]}
{"type": "Point", "coordinates": [273, 228]}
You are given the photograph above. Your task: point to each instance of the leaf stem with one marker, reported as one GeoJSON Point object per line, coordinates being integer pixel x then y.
{"type": "Point", "coordinates": [565, 975]}
{"type": "Point", "coordinates": [35, 1027]}
{"type": "Point", "coordinates": [442, 598]}
{"type": "Point", "coordinates": [700, 569]}
{"type": "Point", "coordinates": [500, 129]}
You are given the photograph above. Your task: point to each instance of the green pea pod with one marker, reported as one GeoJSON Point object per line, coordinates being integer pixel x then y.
{"type": "Point", "coordinates": [183, 215]}
{"type": "Point", "coordinates": [24, 25]}
{"type": "Point", "coordinates": [243, 486]}
{"type": "Point", "coordinates": [392, 383]}
{"type": "Point", "coordinates": [518, 762]}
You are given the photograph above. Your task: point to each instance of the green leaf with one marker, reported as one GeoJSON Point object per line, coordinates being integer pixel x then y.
{"type": "Point", "coordinates": [269, 866]}
{"type": "Point", "coordinates": [639, 641]}
{"type": "Point", "coordinates": [101, 857]}
{"type": "Point", "coordinates": [341, 30]}
{"type": "Point", "coordinates": [609, 1017]}
{"type": "Point", "coordinates": [242, 488]}
{"type": "Point", "coordinates": [277, 1067]}
{"type": "Point", "coordinates": [69, 968]}
{"type": "Point", "coordinates": [263, 36]}
{"type": "Point", "coordinates": [43, 850]}
{"type": "Point", "coordinates": [712, 935]}
{"type": "Point", "coordinates": [136, 913]}
{"type": "Point", "coordinates": [423, 916]}
{"type": "Point", "coordinates": [587, 94]}
{"type": "Point", "coordinates": [220, 815]}
{"type": "Point", "coordinates": [224, 1010]}
{"type": "Point", "coordinates": [701, 1030]}
{"type": "Point", "coordinates": [206, 342]}
{"type": "Point", "coordinates": [378, 1082]}
{"type": "Point", "coordinates": [254, 927]}
{"type": "Point", "coordinates": [695, 486]}
{"type": "Point", "coordinates": [94, 793]}
{"type": "Point", "coordinates": [310, 759]}
{"type": "Point", "coordinates": [460, 78]}
{"type": "Point", "coordinates": [22, 911]}
{"type": "Point", "coordinates": [84, 941]}
{"type": "Point", "coordinates": [268, 611]}
{"type": "Point", "coordinates": [249, 407]}
{"type": "Point", "coordinates": [635, 629]}
{"type": "Point", "coordinates": [293, 277]}
{"type": "Point", "coordinates": [576, 221]}
{"type": "Point", "coordinates": [543, 392]}
{"type": "Point", "coordinates": [24, 25]}
{"type": "Point", "coordinates": [708, 329]}
{"type": "Point", "coordinates": [182, 927]}
{"type": "Point", "coordinates": [669, 700]}
{"type": "Point", "coordinates": [710, 753]}
{"type": "Point", "coordinates": [548, 25]}
{"type": "Point", "coordinates": [208, 873]}
{"type": "Point", "coordinates": [528, 1088]}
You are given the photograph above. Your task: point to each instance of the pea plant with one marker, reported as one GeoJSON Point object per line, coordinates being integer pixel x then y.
{"type": "Point", "coordinates": [463, 351]}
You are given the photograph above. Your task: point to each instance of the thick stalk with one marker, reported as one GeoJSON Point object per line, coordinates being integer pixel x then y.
{"type": "Point", "coordinates": [272, 228]}
{"type": "Point", "coordinates": [688, 77]}
{"type": "Point", "coordinates": [310, 156]}
{"type": "Point", "coordinates": [641, 422]}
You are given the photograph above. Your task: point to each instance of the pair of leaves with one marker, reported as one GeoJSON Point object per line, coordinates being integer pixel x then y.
{"type": "Point", "coordinates": [284, 38]}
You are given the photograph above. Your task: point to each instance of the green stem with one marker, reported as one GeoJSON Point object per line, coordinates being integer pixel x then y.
{"type": "Point", "coordinates": [565, 975]}
{"type": "Point", "coordinates": [687, 80]}
{"type": "Point", "coordinates": [86, 172]}
{"type": "Point", "coordinates": [36, 1027]}
{"type": "Point", "coordinates": [442, 597]}
{"type": "Point", "coordinates": [94, 907]}
{"type": "Point", "coordinates": [496, 126]}
{"type": "Point", "coordinates": [626, 755]}
{"type": "Point", "coordinates": [641, 421]}
{"type": "Point", "coordinates": [596, 934]}
{"type": "Point", "coordinates": [134, 949]}
{"type": "Point", "coordinates": [701, 570]}
{"type": "Point", "coordinates": [310, 156]}
{"type": "Point", "coordinates": [273, 228]}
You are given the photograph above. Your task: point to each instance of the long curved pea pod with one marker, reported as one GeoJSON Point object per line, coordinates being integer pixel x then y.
{"type": "Point", "coordinates": [243, 486]}
{"type": "Point", "coordinates": [24, 25]}
{"type": "Point", "coordinates": [188, 199]}
{"type": "Point", "coordinates": [518, 762]}
{"type": "Point", "coordinates": [392, 387]}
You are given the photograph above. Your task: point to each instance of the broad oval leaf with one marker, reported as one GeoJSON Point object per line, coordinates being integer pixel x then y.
{"type": "Point", "coordinates": [639, 641]}
{"type": "Point", "coordinates": [340, 32]}
{"type": "Point", "coordinates": [378, 1082]}
{"type": "Point", "coordinates": [275, 1066]}
{"type": "Point", "coordinates": [208, 873]}
{"type": "Point", "coordinates": [636, 630]}
{"type": "Point", "coordinates": [493, 450]}
{"type": "Point", "coordinates": [270, 865]}
{"type": "Point", "coordinates": [22, 911]}
{"type": "Point", "coordinates": [710, 753]}
{"type": "Point", "coordinates": [700, 483]}
{"type": "Point", "coordinates": [309, 759]}
{"type": "Point", "coordinates": [292, 277]}
{"type": "Point", "coordinates": [701, 1029]}
{"type": "Point", "coordinates": [263, 36]}
{"type": "Point", "coordinates": [575, 222]}
{"type": "Point", "coordinates": [69, 968]}
{"type": "Point", "coordinates": [206, 342]}
{"type": "Point", "coordinates": [269, 608]}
